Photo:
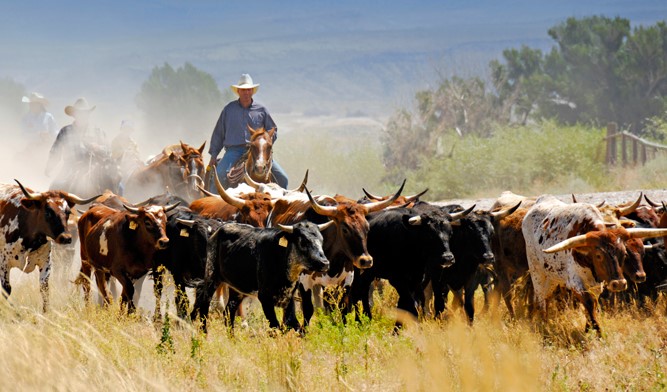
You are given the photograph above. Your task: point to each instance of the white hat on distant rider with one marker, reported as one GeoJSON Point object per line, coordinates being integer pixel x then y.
{"type": "Point", "coordinates": [35, 98]}
{"type": "Point", "coordinates": [245, 82]}
{"type": "Point", "coordinates": [81, 105]}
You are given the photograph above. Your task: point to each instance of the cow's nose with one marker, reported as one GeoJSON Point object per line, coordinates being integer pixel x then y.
{"type": "Point", "coordinates": [640, 277]}
{"type": "Point", "coordinates": [324, 266]}
{"type": "Point", "coordinates": [64, 239]}
{"type": "Point", "coordinates": [162, 243]}
{"type": "Point", "coordinates": [488, 258]}
{"type": "Point", "coordinates": [618, 285]}
{"type": "Point", "coordinates": [364, 261]}
{"type": "Point", "coordinates": [447, 259]}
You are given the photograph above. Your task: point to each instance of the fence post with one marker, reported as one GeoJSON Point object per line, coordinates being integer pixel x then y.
{"type": "Point", "coordinates": [611, 143]}
{"type": "Point", "coordinates": [624, 149]}
{"type": "Point", "coordinates": [635, 151]}
{"type": "Point", "coordinates": [644, 157]}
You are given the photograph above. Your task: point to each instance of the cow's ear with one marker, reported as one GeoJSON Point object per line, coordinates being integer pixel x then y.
{"type": "Point", "coordinates": [30, 204]}
{"type": "Point", "coordinates": [132, 223]}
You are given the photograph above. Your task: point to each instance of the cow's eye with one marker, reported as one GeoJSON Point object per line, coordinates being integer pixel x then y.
{"type": "Point", "coordinates": [148, 223]}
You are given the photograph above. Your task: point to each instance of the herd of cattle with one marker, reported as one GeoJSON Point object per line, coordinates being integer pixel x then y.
{"type": "Point", "coordinates": [282, 246]}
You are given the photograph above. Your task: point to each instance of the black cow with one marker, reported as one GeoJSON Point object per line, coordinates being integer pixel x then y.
{"type": "Point", "coordinates": [185, 258]}
{"type": "Point", "coordinates": [265, 261]}
{"type": "Point", "coordinates": [404, 243]}
{"type": "Point", "coordinates": [471, 245]}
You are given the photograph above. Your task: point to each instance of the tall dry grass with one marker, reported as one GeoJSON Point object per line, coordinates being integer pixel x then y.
{"type": "Point", "coordinates": [81, 347]}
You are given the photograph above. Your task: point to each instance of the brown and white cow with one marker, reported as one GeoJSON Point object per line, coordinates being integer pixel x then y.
{"type": "Point", "coordinates": [570, 246]}
{"type": "Point", "coordinates": [121, 244]}
{"type": "Point", "coordinates": [28, 221]}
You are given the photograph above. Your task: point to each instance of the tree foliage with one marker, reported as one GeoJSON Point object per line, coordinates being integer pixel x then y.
{"type": "Point", "coordinates": [599, 70]}
{"type": "Point", "coordinates": [185, 99]}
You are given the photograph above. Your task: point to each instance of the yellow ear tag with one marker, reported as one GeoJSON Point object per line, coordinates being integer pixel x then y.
{"type": "Point", "coordinates": [133, 225]}
{"type": "Point", "coordinates": [283, 242]}
{"type": "Point", "coordinates": [184, 233]}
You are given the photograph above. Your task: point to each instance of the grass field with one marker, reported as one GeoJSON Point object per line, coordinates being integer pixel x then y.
{"type": "Point", "coordinates": [78, 347]}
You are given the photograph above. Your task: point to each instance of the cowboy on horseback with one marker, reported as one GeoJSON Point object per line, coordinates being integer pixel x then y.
{"type": "Point", "coordinates": [233, 131]}
{"type": "Point", "coordinates": [75, 145]}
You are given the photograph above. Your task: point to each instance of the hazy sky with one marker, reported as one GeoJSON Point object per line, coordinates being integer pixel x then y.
{"type": "Point", "coordinates": [314, 59]}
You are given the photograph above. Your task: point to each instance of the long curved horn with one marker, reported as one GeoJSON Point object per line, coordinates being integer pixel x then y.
{"type": "Point", "coordinates": [630, 209]}
{"type": "Point", "coordinates": [207, 193]}
{"type": "Point", "coordinates": [379, 205]}
{"type": "Point", "coordinates": [325, 226]}
{"type": "Point", "coordinates": [186, 222]}
{"type": "Point", "coordinates": [77, 200]}
{"type": "Point", "coordinates": [415, 220]}
{"type": "Point", "coordinates": [286, 228]}
{"type": "Point", "coordinates": [171, 206]}
{"type": "Point", "coordinates": [322, 210]}
{"type": "Point", "coordinates": [370, 195]}
{"type": "Point", "coordinates": [574, 199]}
{"type": "Point", "coordinates": [28, 195]}
{"type": "Point", "coordinates": [574, 242]}
{"type": "Point", "coordinates": [650, 202]}
{"type": "Point", "coordinates": [460, 215]}
{"type": "Point", "coordinates": [249, 180]}
{"type": "Point", "coordinates": [417, 196]}
{"type": "Point", "coordinates": [229, 199]}
{"type": "Point", "coordinates": [498, 215]}
{"type": "Point", "coordinates": [131, 208]}
{"type": "Point", "coordinates": [647, 233]}
{"type": "Point", "coordinates": [601, 204]}
{"type": "Point", "coordinates": [303, 184]}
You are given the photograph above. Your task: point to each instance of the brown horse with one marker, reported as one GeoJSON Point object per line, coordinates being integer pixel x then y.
{"type": "Point", "coordinates": [257, 162]}
{"type": "Point", "coordinates": [178, 169]}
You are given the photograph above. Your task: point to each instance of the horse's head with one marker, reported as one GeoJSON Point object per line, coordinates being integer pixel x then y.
{"type": "Point", "coordinates": [192, 167]}
{"type": "Point", "coordinates": [260, 155]}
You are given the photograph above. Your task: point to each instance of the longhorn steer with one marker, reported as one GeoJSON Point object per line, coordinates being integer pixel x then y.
{"type": "Point", "coordinates": [569, 246]}
{"type": "Point", "coordinates": [27, 221]}
{"type": "Point", "coordinates": [121, 244]}
{"type": "Point", "coordinates": [266, 261]}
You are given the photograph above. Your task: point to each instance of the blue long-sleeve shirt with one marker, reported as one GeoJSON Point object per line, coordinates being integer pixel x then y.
{"type": "Point", "coordinates": [232, 126]}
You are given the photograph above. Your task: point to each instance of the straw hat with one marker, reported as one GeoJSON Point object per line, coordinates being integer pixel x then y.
{"type": "Point", "coordinates": [245, 82]}
{"type": "Point", "coordinates": [35, 98]}
{"type": "Point", "coordinates": [81, 105]}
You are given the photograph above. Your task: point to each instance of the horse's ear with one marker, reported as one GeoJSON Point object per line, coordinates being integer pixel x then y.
{"type": "Point", "coordinates": [183, 146]}
{"type": "Point", "coordinates": [272, 133]}
{"type": "Point", "coordinates": [252, 130]}
{"type": "Point", "coordinates": [201, 149]}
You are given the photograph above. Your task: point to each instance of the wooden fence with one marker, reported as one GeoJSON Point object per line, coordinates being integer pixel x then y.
{"type": "Point", "coordinates": [633, 149]}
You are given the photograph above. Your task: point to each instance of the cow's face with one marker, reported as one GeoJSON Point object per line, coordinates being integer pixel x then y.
{"type": "Point", "coordinates": [604, 255]}
{"type": "Point", "coordinates": [50, 213]}
{"type": "Point", "coordinates": [256, 209]}
{"type": "Point", "coordinates": [305, 249]}
{"type": "Point", "coordinates": [633, 268]}
{"type": "Point", "coordinates": [480, 230]}
{"type": "Point", "coordinates": [436, 233]}
{"type": "Point", "coordinates": [353, 231]}
{"type": "Point", "coordinates": [150, 225]}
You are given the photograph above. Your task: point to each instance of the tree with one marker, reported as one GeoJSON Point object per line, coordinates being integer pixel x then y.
{"type": "Point", "coordinates": [180, 100]}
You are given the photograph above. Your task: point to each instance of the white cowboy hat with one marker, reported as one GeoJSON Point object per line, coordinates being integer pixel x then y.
{"type": "Point", "coordinates": [35, 98]}
{"type": "Point", "coordinates": [245, 82]}
{"type": "Point", "coordinates": [81, 105]}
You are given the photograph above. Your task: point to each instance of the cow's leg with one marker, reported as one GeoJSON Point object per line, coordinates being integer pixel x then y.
{"type": "Point", "coordinates": [361, 291]}
{"type": "Point", "coordinates": [266, 299]}
{"type": "Point", "coordinates": [44, 275]}
{"type": "Point", "coordinates": [440, 292]}
{"type": "Point", "coordinates": [4, 276]}
{"type": "Point", "coordinates": [457, 298]}
{"type": "Point", "coordinates": [102, 278]}
{"type": "Point", "coordinates": [127, 296]}
{"type": "Point", "coordinates": [233, 304]}
{"type": "Point", "coordinates": [504, 290]}
{"type": "Point", "coordinates": [158, 284]}
{"type": "Point", "coordinates": [306, 305]}
{"type": "Point", "coordinates": [204, 294]}
{"type": "Point", "coordinates": [182, 302]}
{"type": "Point", "coordinates": [83, 279]}
{"type": "Point", "coordinates": [289, 316]}
{"type": "Point", "coordinates": [469, 300]}
{"type": "Point", "coordinates": [590, 304]}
